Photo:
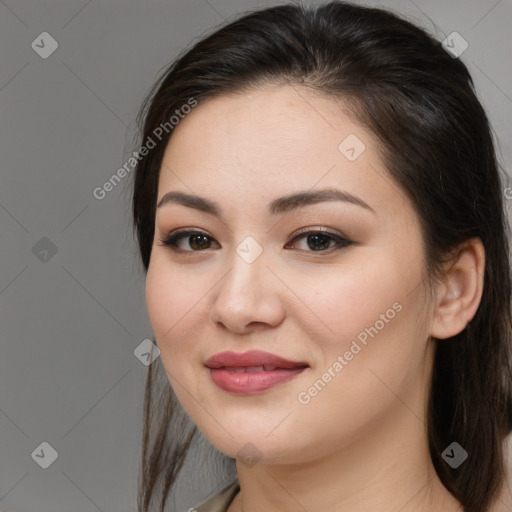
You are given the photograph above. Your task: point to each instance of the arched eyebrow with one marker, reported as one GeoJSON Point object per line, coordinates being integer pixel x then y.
{"type": "Point", "coordinates": [279, 205]}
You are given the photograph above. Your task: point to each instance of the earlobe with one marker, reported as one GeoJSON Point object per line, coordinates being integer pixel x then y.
{"type": "Point", "coordinates": [460, 292]}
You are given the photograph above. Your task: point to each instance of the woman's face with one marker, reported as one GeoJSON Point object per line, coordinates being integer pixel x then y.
{"type": "Point", "coordinates": [349, 303]}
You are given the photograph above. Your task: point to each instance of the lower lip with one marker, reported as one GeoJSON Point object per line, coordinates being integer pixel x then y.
{"type": "Point", "coordinates": [250, 383]}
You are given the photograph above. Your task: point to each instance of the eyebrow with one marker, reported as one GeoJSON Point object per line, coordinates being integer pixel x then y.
{"type": "Point", "coordinates": [282, 204]}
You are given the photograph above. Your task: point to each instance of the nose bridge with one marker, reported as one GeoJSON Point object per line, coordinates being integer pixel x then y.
{"type": "Point", "coordinates": [246, 293]}
{"type": "Point", "coordinates": [247, 264]}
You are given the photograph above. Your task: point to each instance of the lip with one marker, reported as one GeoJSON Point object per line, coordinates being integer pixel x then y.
{"type": "Point", "coordinates": [251, 358]}
{"type": "Point", "coordinates": [226, 370]}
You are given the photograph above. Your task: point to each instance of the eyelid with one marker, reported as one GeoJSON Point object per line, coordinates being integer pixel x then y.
{"type": "Point", "coordinates": [320, 229]}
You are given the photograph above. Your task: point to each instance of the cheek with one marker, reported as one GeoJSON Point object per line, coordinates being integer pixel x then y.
{"type": "Point", "coordinates": [369, 317]}
{"type": "Point", "coordinates": [174, 303]}
{"type": "Point", "coordinates": [373, 360]}
{"type": "Point", "coordinates": [347, 302]}
{"type": "Point", "coordinates": [176, 313]}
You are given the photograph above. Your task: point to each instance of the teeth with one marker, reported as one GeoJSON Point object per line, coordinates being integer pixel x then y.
{"type": "Point", "coordinates": [254, 369]}
{"type": "Point", "coordinates": [250, 368]}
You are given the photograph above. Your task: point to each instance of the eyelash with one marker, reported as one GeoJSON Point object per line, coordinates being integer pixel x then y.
{"type": "Point", "coordinates": [172, 239]}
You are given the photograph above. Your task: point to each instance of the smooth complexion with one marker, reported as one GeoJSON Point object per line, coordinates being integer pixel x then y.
{"type": "Point", "coordinates": [361, 443]}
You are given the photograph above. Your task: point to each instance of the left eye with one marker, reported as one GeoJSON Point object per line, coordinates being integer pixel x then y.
{"type": "Point", "coordinates": [320, 240]}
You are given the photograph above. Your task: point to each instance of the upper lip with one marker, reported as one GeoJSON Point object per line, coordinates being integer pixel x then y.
{"type": "Point", "coordinates": [251, 358]}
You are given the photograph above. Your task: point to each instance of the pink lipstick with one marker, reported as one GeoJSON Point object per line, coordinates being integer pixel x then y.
{"type": "Point", "coordinates": [251, 372]}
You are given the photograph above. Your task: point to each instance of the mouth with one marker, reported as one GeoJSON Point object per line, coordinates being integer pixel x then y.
{"type": "Point", "coordinates": [251, 372]}
{"type": "Point", "coordinates": [252, 369]}
{"type": "Point", "coordinates": [252, 359]}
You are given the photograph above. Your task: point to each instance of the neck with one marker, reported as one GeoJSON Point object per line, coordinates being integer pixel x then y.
{"type": "Point", "coordinates": [386, 468]}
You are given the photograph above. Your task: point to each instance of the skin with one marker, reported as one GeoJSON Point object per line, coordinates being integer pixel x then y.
{"type": "Point", "coordinates": [360, 444]}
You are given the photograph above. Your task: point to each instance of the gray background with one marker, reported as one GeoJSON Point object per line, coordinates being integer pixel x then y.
{"type": "Point", "coordinates": [70, 321]}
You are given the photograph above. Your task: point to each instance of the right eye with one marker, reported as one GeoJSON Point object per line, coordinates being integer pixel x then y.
{"type": "Point", "coordinates": [198, 241]}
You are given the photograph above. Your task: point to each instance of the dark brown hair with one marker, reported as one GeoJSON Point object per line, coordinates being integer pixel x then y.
{"type": "Point", "coordinates": [437, 145]}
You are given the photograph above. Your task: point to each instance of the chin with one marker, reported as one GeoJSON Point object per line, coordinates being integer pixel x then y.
{"type": "Point", "coordinates": [251, 447]}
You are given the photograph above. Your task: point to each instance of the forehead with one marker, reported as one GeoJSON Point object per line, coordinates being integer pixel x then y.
{"type": "Point", "coordinates": [272, 121]}
{"type": "Point", "coordinates": [272, 141]}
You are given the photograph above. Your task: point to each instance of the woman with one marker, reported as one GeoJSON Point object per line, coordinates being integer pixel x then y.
{"type": "Point", "coordinates": [319, 213]}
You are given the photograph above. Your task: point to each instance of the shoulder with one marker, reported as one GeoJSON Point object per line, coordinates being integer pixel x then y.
{"type": "Point", "coordinates": [220, 501]}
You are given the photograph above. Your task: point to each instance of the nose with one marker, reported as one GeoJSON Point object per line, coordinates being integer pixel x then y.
{"type": "Point", "coordinates": [249, 296]}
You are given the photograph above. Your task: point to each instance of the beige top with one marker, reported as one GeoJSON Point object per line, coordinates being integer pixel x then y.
{"type": "Point", "coordinates": [219, 502]}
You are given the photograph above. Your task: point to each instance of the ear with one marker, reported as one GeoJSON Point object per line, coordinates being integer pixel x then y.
{"type": "Point", "coordinates": [459, 294]}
